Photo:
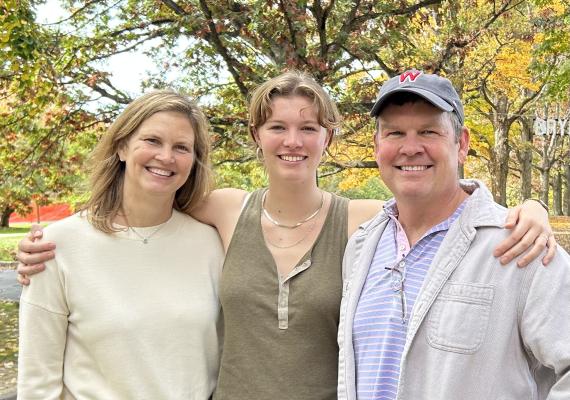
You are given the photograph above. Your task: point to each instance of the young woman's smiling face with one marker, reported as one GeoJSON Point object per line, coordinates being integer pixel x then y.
{"type": "Point", "coordinates": [158, 156]}
{"type": "Point", "coordinates": [292, 140]}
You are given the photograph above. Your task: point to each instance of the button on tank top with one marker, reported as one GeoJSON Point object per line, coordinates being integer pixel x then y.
{"type": "Point", "coordinates": [280, 339]}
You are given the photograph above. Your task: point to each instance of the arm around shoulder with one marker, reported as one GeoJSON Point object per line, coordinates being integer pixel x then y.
{"type": "Point", "coordinates": [219, 204]}
{"type": "Point", "coordinates": [221, 209]}
{"type": "Point", "coordinates": [360, 211]}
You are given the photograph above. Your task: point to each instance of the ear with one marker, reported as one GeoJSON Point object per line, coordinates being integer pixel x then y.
{"type": "Point", "coordinates": [255, 135]}
{"type": "Point", "coordinates": [121, 152]}
{"type": "Point", "coordinates": [464, 140]}
{"type": "Point", "coordinates": [328, 140]}
{"type": "Point", "coordinates": [377, 148]}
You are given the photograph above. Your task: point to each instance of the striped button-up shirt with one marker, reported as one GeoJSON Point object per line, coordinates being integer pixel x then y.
{"type": "Point", "coordinates": [380, 324]}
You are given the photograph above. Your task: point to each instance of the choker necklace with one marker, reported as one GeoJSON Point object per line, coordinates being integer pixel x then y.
{"type": "Point", "coordinates": [145, 239]}
{"type": "Point", "coordinates": [296, 225]}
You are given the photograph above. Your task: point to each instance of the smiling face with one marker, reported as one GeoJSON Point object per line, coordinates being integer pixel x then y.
{"type": "Point", "coordinates": [292, 140]}
{"type": "Point", "coordinates": [158, 156]}
{"type": "Point", "coordinates": [417, 153]}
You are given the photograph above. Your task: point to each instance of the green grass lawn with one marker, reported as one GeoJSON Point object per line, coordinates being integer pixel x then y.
{"type": "Point", "coordinates": [15, 229]}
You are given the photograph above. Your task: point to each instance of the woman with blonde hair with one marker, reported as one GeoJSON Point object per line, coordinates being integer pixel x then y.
{"type": "Point", "coordinates": [123, 312]}
{"type": "Point", "coordinates": [282, 282]}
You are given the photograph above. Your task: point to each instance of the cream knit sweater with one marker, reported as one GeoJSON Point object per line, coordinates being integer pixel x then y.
{"type": "Point", "coordinates": [114, 318]}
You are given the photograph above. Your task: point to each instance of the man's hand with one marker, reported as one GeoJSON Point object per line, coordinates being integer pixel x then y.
{"type": "Point", "coordinates": [530, 229]}
{"type": "Point", "coordinates": [32, 254]}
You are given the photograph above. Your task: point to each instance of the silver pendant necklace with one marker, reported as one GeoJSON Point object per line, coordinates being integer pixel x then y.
{"type": "Point", "coordinates": [145, 239]}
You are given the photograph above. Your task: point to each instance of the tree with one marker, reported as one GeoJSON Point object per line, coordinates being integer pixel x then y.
{"type": "Point", "coordinates": [37, 117]}
{"type": "Point", "coordinates": [224, 48]}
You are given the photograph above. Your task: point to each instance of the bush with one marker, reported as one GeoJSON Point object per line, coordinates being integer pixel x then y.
{"type": "Point", "coordinates": [8, 247]}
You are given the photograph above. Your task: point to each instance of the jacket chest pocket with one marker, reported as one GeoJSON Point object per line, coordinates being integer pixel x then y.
{"type": "Point", "coordinates": [459, 317]}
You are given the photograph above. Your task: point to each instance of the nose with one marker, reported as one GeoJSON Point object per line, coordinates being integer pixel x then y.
{"type": "Point", "coordinates": [411, 145]}
{"type": "Point", "coordinates": [292, 138]}
{"type": "Point", "coordinates": [166, 155]}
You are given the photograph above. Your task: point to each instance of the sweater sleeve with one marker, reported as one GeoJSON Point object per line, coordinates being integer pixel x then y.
{"type": "Point", "coordinates": [43, 329]}
{"type": "Point", "coordinates": [545, 323]}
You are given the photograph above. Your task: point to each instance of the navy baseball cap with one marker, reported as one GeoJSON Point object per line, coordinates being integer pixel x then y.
{"type": "Point", "coordinates": [433, 88]}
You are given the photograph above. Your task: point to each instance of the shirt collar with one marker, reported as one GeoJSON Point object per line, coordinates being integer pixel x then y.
{"type": "Point", "coordinates": [391, 210]}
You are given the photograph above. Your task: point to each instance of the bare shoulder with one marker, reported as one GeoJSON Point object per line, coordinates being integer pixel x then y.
{"type": "Point", "coordinates": [219, 205]}
{"type": "Point", "coordinates": [360, 211]}
{"type": "Point", "coordinates": [221, 209]}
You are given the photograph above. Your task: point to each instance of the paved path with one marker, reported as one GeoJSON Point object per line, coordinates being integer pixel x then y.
{"type": "Point", "coordinates": [9, 288]}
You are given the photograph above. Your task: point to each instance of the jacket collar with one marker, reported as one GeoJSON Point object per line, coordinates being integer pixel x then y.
{"type": "Point", "coordinates": [480, 209]}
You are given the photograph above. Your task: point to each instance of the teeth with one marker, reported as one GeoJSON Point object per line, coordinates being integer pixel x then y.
{"type": "Point", "coordinates": [413, 167]}
{"type": "Point", "coordinates": [292, 158]}
{"type": "Point", "coordinates": [160, 172]}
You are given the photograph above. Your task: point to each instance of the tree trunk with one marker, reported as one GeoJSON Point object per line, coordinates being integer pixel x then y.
{"type": "Point", "coordinates": [5, 218]}
{"type": "Point", "coordinates": [501, 164]}
{"type": "Point", "coordinates": [524, 156]}
{"type": "Point", "coordinates": [544, 184]}
{"type": "Point", "coordinates": [567, 193]}
{"type": "Point", "coordinates": [557, 194]}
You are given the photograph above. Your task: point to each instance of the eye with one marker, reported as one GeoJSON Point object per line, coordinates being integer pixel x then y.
{"type": "Point", "coordinates": [276, 127]}
{"type": "Point", "coordinates": [152, 140]}
{"type": "Point", "coordinates": [309, 128]}
{"type": "Point", "coordinates": [392, 133]}
{"type": "Point", "coordinates": [429, 132]}
{"type": "Point", "coordinates": [183, 148]}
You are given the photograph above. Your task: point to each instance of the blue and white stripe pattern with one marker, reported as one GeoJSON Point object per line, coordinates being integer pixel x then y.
{"type": "Point", "coordinates": [378, 331]}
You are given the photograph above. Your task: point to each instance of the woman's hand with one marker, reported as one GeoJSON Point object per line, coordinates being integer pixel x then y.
{"type": "Point", "coordinates": [530, 230]}
{"type": "Point", "coordinates": [32, 254]}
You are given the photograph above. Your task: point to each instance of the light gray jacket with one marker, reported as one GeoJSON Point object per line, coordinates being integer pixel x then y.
{"type": "Point", "coordinates": [478, 330]}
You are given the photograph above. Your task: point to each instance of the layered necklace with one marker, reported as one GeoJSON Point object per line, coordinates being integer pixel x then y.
{"type": "Point", "coordinates": [293, 226]}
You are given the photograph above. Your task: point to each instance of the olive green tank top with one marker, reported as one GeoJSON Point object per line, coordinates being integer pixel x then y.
{"type": "Point", "coordinates": [280, 339]}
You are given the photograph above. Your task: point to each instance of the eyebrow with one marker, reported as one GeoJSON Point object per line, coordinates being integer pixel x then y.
{"type": "Point", "coordinates": [306, 121]}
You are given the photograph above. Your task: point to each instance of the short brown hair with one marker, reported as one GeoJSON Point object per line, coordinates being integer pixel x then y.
{"type": "Point", "coordinates": [107, 171]}
{"type": "Point", "coordinates": [292, 83]}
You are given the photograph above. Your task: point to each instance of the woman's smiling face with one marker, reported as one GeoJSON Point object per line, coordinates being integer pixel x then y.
{"type": "Point", "coordinates": [158, 156]}
{"type": "Point", "coordinates": [292, 140]}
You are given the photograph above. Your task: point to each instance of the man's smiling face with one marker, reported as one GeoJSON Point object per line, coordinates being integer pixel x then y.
{"type": "Point", "coordinates": [417, 152]}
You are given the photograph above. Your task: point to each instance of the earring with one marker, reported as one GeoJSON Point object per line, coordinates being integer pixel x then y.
{"type": "Point", "coordinates": [259, 155]}
{"type": "Point", "coordinates": [324, 157]}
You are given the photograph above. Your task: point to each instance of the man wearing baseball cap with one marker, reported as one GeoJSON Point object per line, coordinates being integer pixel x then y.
{"type": "Point", "coordinates": [427, 312]}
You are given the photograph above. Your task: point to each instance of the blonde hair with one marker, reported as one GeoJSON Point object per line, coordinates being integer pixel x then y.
{"type": "Point", "coordinates": [108, 172]}
{"type": "Point", "coordinates": [292, 83]}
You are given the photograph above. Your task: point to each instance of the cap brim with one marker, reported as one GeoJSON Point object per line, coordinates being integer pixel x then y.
{"type": "Point", "coordinates": [427, 95]}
